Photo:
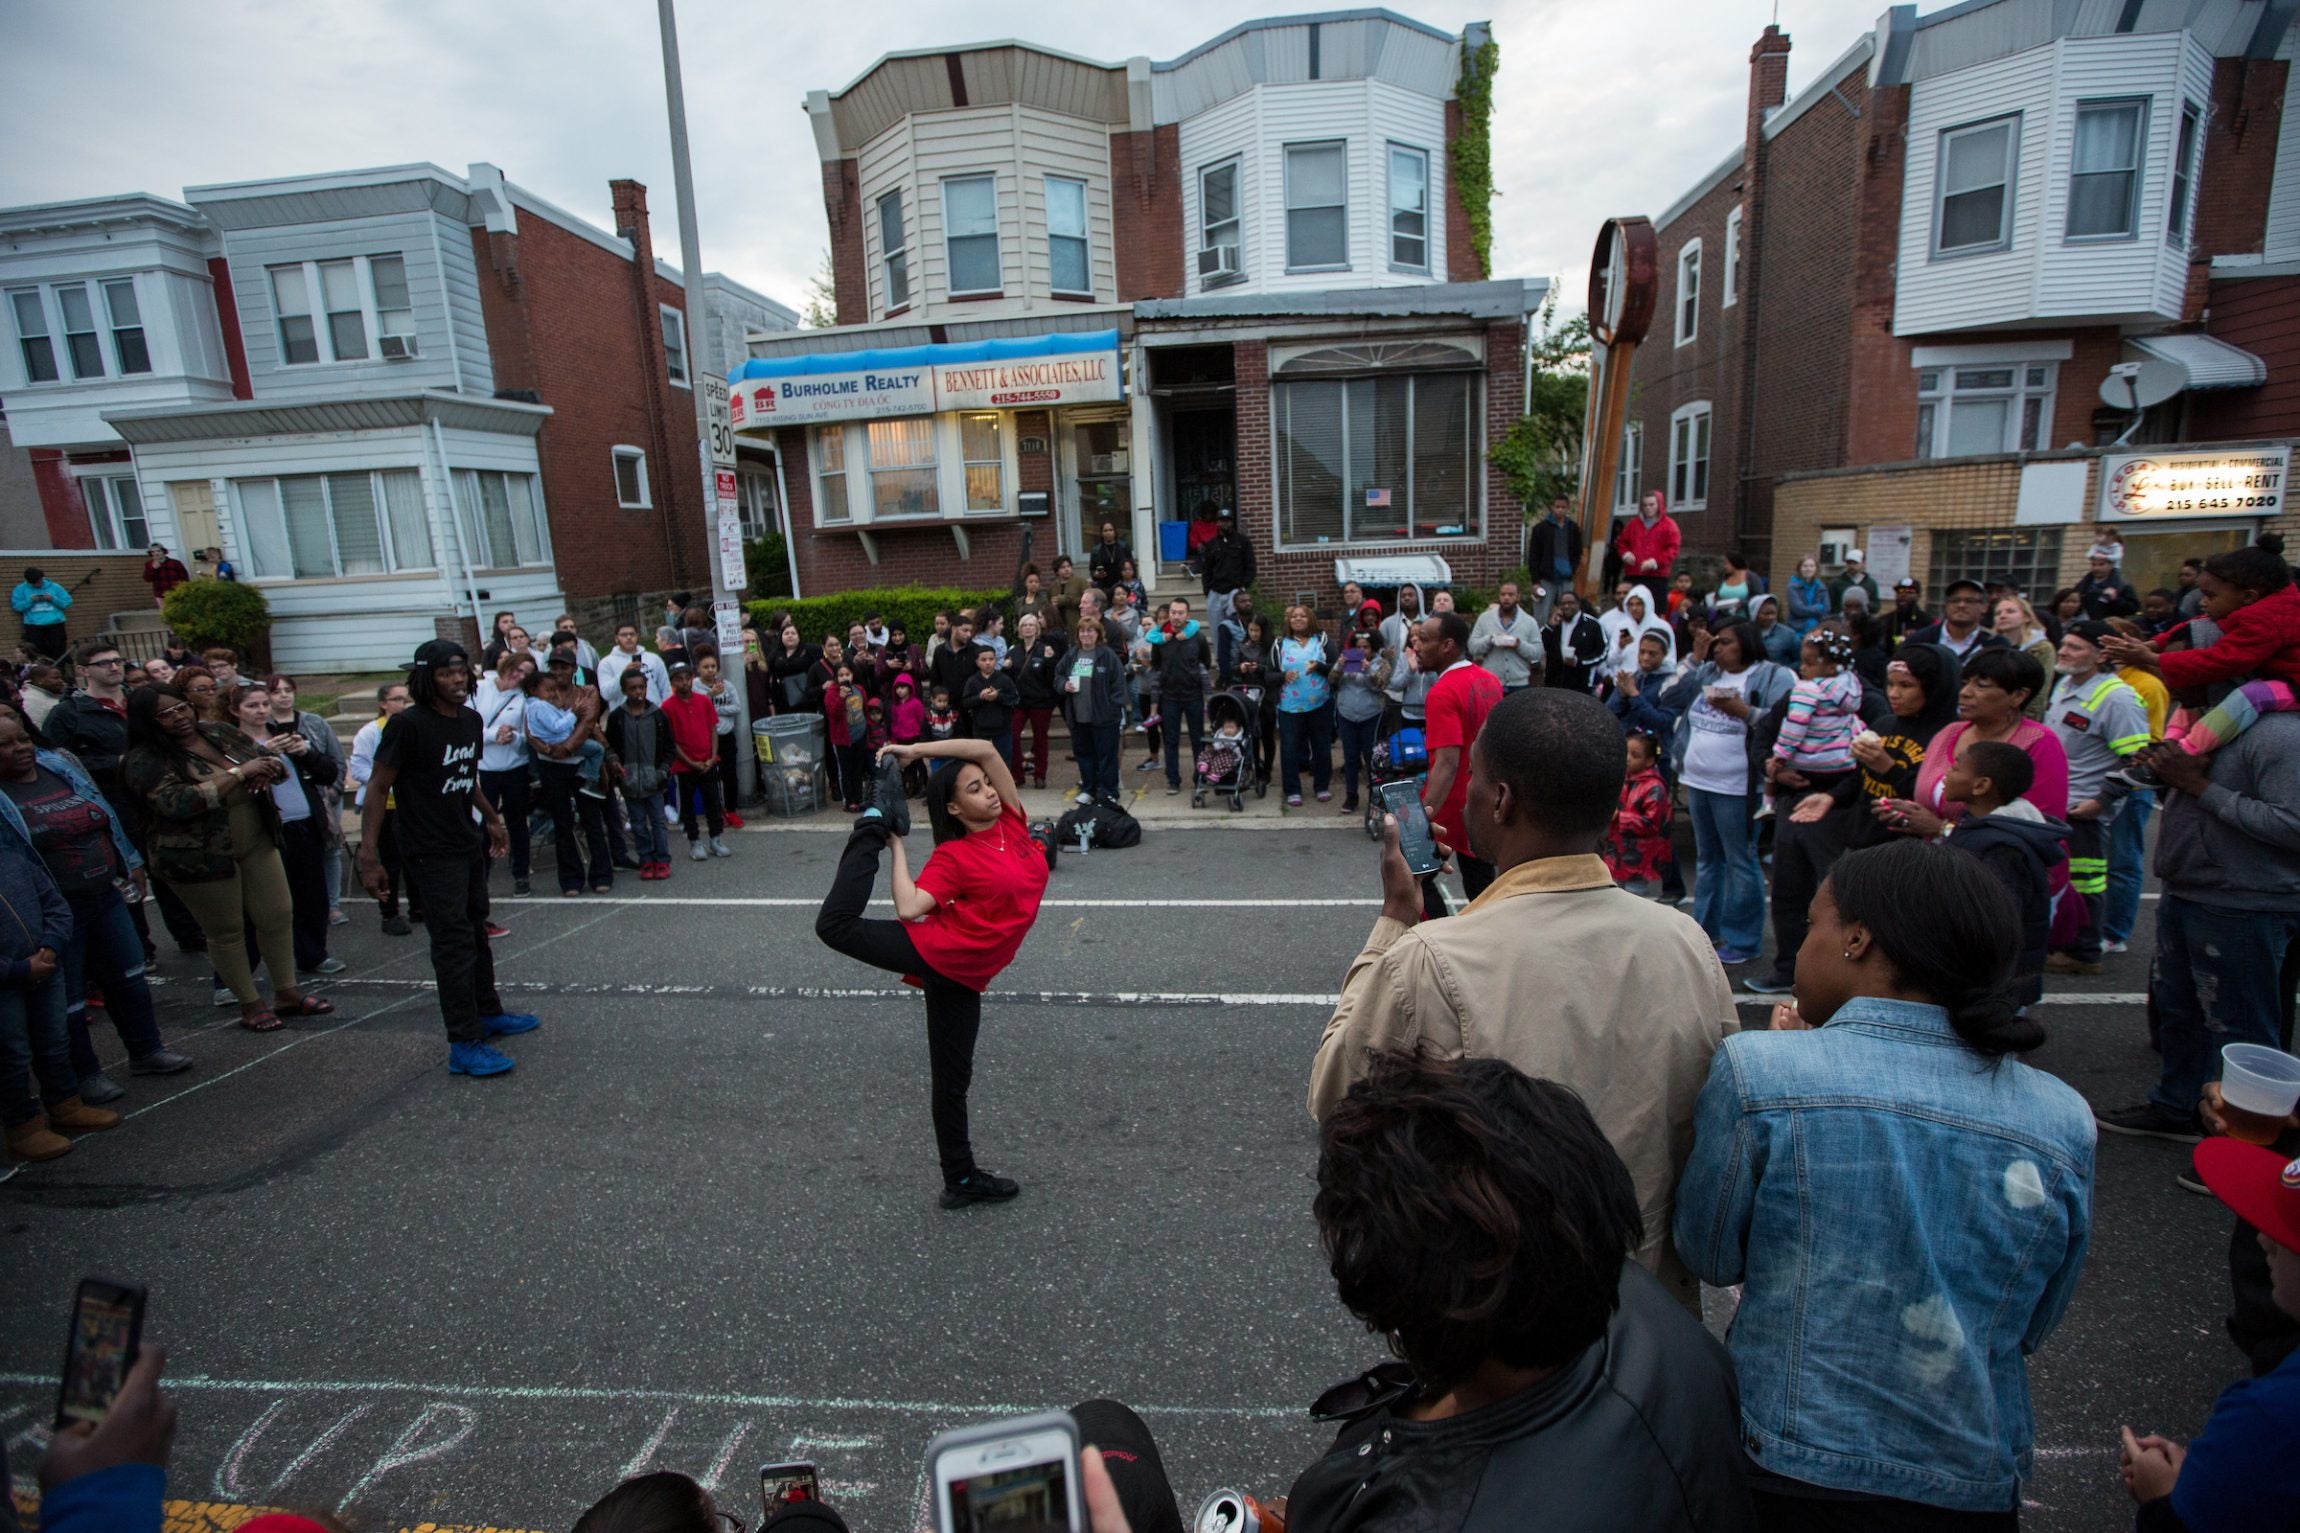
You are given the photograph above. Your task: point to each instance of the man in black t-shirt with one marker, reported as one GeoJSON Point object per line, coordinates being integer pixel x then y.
{"type": "Point", "coordinates": [428, 765]}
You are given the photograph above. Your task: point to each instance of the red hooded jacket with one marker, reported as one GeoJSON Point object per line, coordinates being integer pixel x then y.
{"type": "Point", "coordinates": [1658, 542]}
{"type": "Point", "coordinates": [2261, 638]}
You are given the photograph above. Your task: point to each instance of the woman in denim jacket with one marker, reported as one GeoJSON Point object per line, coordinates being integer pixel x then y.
{"type": "Point", "coordinates": [1905, 1207]}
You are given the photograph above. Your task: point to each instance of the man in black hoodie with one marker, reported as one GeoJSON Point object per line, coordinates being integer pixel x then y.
{"type": "Point", "coordinates": [2013, 840]}
{"type": "Point", "coordinates": [1229, 566]}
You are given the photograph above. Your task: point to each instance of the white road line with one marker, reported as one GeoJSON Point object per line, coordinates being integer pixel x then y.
{"type": "Point", "coordinates": [556, 1394]}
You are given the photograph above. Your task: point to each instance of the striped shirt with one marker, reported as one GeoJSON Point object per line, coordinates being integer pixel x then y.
{"type": "Point", "coordinates": [1824, 715]}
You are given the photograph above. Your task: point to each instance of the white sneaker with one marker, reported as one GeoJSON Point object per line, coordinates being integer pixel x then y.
{"type": "Point", "coordinates": [224, 996]}
{"type": "Point", "coordinates": [698, 852]}
{"type": "Point", "coordinates": [670, 815]}
{"type": "Point", "coordinates": [719, 847]}
{"type": "Point", "coordinates": [2116, 947]}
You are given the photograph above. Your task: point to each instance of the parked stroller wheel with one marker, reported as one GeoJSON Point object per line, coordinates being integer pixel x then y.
{"type": "Point", "coordinates": [1261, 787]}
{"type": "Point", "coordinates": [1198, 800]}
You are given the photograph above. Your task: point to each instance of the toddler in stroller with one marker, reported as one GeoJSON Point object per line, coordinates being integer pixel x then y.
{"type": "Point", "coordinates": [1226, 763]}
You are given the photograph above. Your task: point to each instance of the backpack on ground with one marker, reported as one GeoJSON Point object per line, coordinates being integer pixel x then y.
{"type": "Point", "coordinates": [1107, 824]}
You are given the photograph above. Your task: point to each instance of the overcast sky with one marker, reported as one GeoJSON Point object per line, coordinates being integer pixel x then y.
{"type": "Point", "coordinates": [1602, 106]}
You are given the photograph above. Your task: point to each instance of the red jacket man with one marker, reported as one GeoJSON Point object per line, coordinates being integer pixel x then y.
{"type": "Point", "coordinates": [1649, 541]}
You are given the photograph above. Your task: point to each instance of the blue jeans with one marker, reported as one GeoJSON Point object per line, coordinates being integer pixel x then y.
{"type": "Point", "coordinates": [2127, 860]}
{"type": "Point", "coordinates": [651, 838]}
{"type": "Point", "coordinates": [1307, 740]}
{"type": "Point", "coordinates": [1728, 888]}
{"type": "Point", "coordinates": [105, 943]}
{"type": "Point", "coordinates": [1359, 736]}
{"type": "Point", "coordinates": [1174, 715]}
{"type": "Point", "coordinates": [2215, 983]}
{"type": "Point", "coordinates": [35, 1059]}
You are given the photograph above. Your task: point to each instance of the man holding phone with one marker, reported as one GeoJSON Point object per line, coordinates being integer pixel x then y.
{"type": "Point", "coordinates": [1531, 971]}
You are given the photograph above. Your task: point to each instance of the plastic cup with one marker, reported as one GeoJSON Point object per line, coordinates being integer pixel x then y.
{"type": "Point", "coordinates": [2259, 1087]}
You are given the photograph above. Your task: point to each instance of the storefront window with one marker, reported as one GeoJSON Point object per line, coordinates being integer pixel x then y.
{"type": "Point", "coordinates": [1371, 459]}
{"type": "Point", "coordinates": [978, 438]}
{"type": "Point", "coordinates": [2027, 559]}
{"type": "Point", "coordinates": [902, 468]}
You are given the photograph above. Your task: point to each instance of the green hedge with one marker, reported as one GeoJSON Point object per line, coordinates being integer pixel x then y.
{"type": "Point", "coordinates": [912, 606]}
{"type": "Point", "coordinates": [206, 612]}
{"type": "Point", "coordinates": [767, 561]}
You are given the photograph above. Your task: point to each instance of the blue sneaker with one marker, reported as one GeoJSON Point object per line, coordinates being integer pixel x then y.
{"type": "Point", "coordinates": [1732, 957]}
{"type": "Point", "coordinates": [1770, 984]}
{"type": "Point", "coordinates": [477, 1059]}
{"type": "Point", "coordinates": [504, 1023]}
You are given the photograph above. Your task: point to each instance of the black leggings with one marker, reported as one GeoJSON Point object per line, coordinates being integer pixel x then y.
{"type": "Point", "coordinates": [953, 1012]}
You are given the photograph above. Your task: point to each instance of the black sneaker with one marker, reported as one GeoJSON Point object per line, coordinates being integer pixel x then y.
{"type": "Point", "coordinates": [1770, 984]}
{"type": "Point", "coordinates": [891, 802]}
{"type": "Point", "coordinates": [396, 926]}
{"type": "Point", "coordinates": [2146, 1120]}
{"type": "Point", "coordinates": [978, 1186]}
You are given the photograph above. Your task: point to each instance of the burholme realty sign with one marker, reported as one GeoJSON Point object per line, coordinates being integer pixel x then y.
{"type": "Point", "coordinates": [924, 380]}
{"type": "Point", "coordinates": [2243, 481]}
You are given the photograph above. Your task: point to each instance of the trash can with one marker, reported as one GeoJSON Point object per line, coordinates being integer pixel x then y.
{"type": "Point", "coordinates": [1173, 541]}
{"type": "Point", "coordinates": [793, 775]}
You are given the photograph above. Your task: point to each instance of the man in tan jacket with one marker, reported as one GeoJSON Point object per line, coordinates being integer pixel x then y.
{"type": "Point", "coordinates": [1552, 968]}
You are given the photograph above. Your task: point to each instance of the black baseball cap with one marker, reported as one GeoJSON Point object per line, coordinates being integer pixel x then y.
{"type": "Point", "coordinates": [1905, 583]}
{"type": "Point", "coordinates": [2091, 630]}
{"type": "Point", "coordinates": [434, 654]}
{"type": "Point", "coordinates": [1973, 586]}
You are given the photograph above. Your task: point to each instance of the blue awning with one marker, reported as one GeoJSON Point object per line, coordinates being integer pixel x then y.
{"type": "Point", "coordinates": [1004, 349]}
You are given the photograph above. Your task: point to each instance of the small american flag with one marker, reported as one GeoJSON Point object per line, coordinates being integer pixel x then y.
{"type": "Point", "coordinates": [1377, 497]}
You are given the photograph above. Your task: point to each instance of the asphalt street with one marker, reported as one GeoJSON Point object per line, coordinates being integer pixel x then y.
{"type": "Point", "coordinates": [697, 1227]}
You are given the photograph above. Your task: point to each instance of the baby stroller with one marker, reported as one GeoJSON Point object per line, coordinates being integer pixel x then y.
{"type": "Point", "coordinates": [1226, 767]}
{"type": "Point", "coordinates": [1404, 754]}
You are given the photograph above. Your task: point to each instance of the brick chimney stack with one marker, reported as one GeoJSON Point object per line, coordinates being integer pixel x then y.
{"type": "Point", "coordinates": [1768, 79]}
{"type": "Point", "coordinates": [631, 217]}
{"type": "Point", "coordinates": [630, 198]}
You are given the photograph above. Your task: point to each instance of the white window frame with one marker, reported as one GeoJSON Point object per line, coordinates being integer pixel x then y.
{"type": "Point", "coordinates": [114, 329]}
{"type": "Point", "coordinates": [94, 332]}
{"type": "Point", "coordinates": [2010, 122]}
{"type": "Point", "coordinates": [1340, 146]}
{"type": "Point", "coordinates": [678, 369]}
{"type": "Point", "coordinates": [2030, 394]}
{"type": "Point", "coordinates": [2187, 158]}
{"type": "Point", "coordinates": [936, 467]}
{"type": "Point", "coordinates": [40, 307]}
{"type": "Point", "coordinates": [2138, 170]}
{"type": "Point", "coordinates": [1685, 301]}
{"type": "Point", "coordinates": [47, 299]}
{"type": "Point", "coordinates": [755, 495]}
{"type": "Point", "coordinates": [323, 334]}
{"type": "Point", "coordinates": [894, 263]}
{"type": "Point", "coordinates": [1474, 463]}
{"type": "Point", "coordinates": [638, 455]}
{"type": "Point", "coordinates": [1690, 427]}
{"type": "Point", "coordinates": [387, 546]}
{"type": "Point", "coordinates": [1390, 233]}
{"type": "Point", "coordinates": [999, 423]}
{"type": "Point", "coordinates": [1208, 234]}
{"type": "Point", "coordinates": [844, 473]}
{"type": "Point", "coordinates": [471, 492]}
{"type": "Point", "coordinates": [1629, 473]}
{"type": "Point", "coordinates": [107, 522]}
{"type": "Point", "coordinates": [1084, 238]}
{"type": "Point", "coordinates": [1729, 288]}
{"type": "Point", "coordinates": [998, 253]}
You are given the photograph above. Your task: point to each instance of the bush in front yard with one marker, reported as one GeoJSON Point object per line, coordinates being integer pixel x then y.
{"type": "Point", "coordinates": [912, 606]}
{"type": "Point", "coordinates": [206, 612]}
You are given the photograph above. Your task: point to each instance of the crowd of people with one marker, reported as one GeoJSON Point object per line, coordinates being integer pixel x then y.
{"type": "Point", "coordinates": [1525, 1200]}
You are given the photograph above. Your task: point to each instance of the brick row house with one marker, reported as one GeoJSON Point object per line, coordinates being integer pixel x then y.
{"type": "Point", "coordinates": [398, 399]}
{"type": "Point", "coordinates": [1072, 292]}
{"type": "Point", "coordinates": [1901, 314]}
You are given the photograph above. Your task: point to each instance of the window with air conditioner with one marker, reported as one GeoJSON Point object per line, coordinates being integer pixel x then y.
{"type": "Point", "coordinates": [1688, 292]}
{"type": "Point", "coordinates": [894, 251]}
{"type": "Point", "coordinates": [674, 346]}
{"type": "Point", "coordinates": [2104, 170]}
{"type": "Point", "coordinates": [970, 234]}
{"type": "Point", "coordinates": [1998, 407]}
{"type": "Point", "coordinates": [1317, 207]}
{"type": "Point", "coordinates": [116, 511]}
{"type": "Point", "coordinates": [1218, 224]}
{"type": "Point", "coordinates": [324, 526]}
{"type": "Point", "coordinates": [1409, 208]}
{"type": "Point", "coordinates": [1069, 256]}
{"type": "Point", "coordinates": [349, 310]}
{"type": "Point", "coordinates": [631, 479]}
{"type": "Point", "coordinates": [1973, 202]}
{"type": "Point", "coordinates": [1689, 458]}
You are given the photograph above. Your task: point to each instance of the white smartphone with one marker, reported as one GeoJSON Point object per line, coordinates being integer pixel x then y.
{"type": "Point", "coordinates": [1019, 1475]}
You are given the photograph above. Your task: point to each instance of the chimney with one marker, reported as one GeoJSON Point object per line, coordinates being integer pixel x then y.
{"type": "Point", "coordinates": [631, 219]}
{"type": "Point", "coordinates": [1768, 79]}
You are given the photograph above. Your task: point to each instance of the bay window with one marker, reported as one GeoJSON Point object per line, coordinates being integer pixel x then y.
{"type": "Point", "coordinates": [80, 341]}
{"type": "Point", "coordinates": [1409, 208]}
{"type": "Point", "coordinates": [1974, 184]}
{"type": "Point", "coordinates": [902, 467]}
{"type": "Point", "coordinates": [501, 511]}
{"type": "Point", "coordinates": [1317, 207]}
{"type": "Point", "coordinates": [2104, 169]}
{"type": "Point", "coordinates": [894, 251]}
{"type": "Point", "coordinates": [319, 526]}
{"type": "Point", "coordinates": [1068, 253]}
{"type": "Point", "coordinates": [32, 336]}
{"type": "Point", "coordinates": [831, 475]}
{"type": "Point", "coordinates": [1379, 458]}
{"type": "Point", "coordinates": [970, 233]}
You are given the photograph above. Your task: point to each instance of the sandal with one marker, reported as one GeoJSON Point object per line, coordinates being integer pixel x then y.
{"type": "Point", "coordinates": [265, 1021]}
{"type": "Point", "coordinates": [305, 1006]}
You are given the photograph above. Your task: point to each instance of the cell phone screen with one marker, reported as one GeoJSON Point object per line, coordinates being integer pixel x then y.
{"type": "Point", "coordinates": [1029, 1498]}
{"type": "Point", "coordinates": [782, 1485]}
{"type": "Point", "coordinates": [107, 1320]}
{"type": "Point", "coordinates": [1415, 838]}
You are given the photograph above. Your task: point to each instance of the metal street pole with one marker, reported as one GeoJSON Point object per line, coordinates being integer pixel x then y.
{"type": "Point", "coordinates": [714, 433]}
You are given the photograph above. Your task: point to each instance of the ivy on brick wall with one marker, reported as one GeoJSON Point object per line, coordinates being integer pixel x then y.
{"type": "Point", "coordinates": [1472, 150]}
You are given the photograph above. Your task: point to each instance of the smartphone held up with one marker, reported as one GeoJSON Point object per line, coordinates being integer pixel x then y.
{"type": "Point", "coordinates": [1402, 799]}
{"type": "Point", "coordinates": [107, 1327]}
{"type": "Point", "coordinates": [1019, 1475]}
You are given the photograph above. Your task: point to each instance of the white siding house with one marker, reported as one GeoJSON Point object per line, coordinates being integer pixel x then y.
{"type": "Point", "coordinates": [2041, 185]}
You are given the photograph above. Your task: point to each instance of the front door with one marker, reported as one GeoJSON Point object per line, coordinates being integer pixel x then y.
{"type": "Point", "coordinates": [1099, 465]}
{"type": "Point", "coordinates": [194, 502]}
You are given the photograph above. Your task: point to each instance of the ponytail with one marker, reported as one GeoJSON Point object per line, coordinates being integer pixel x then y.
{"type": "Point", "coordinates": [1950, 931]}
